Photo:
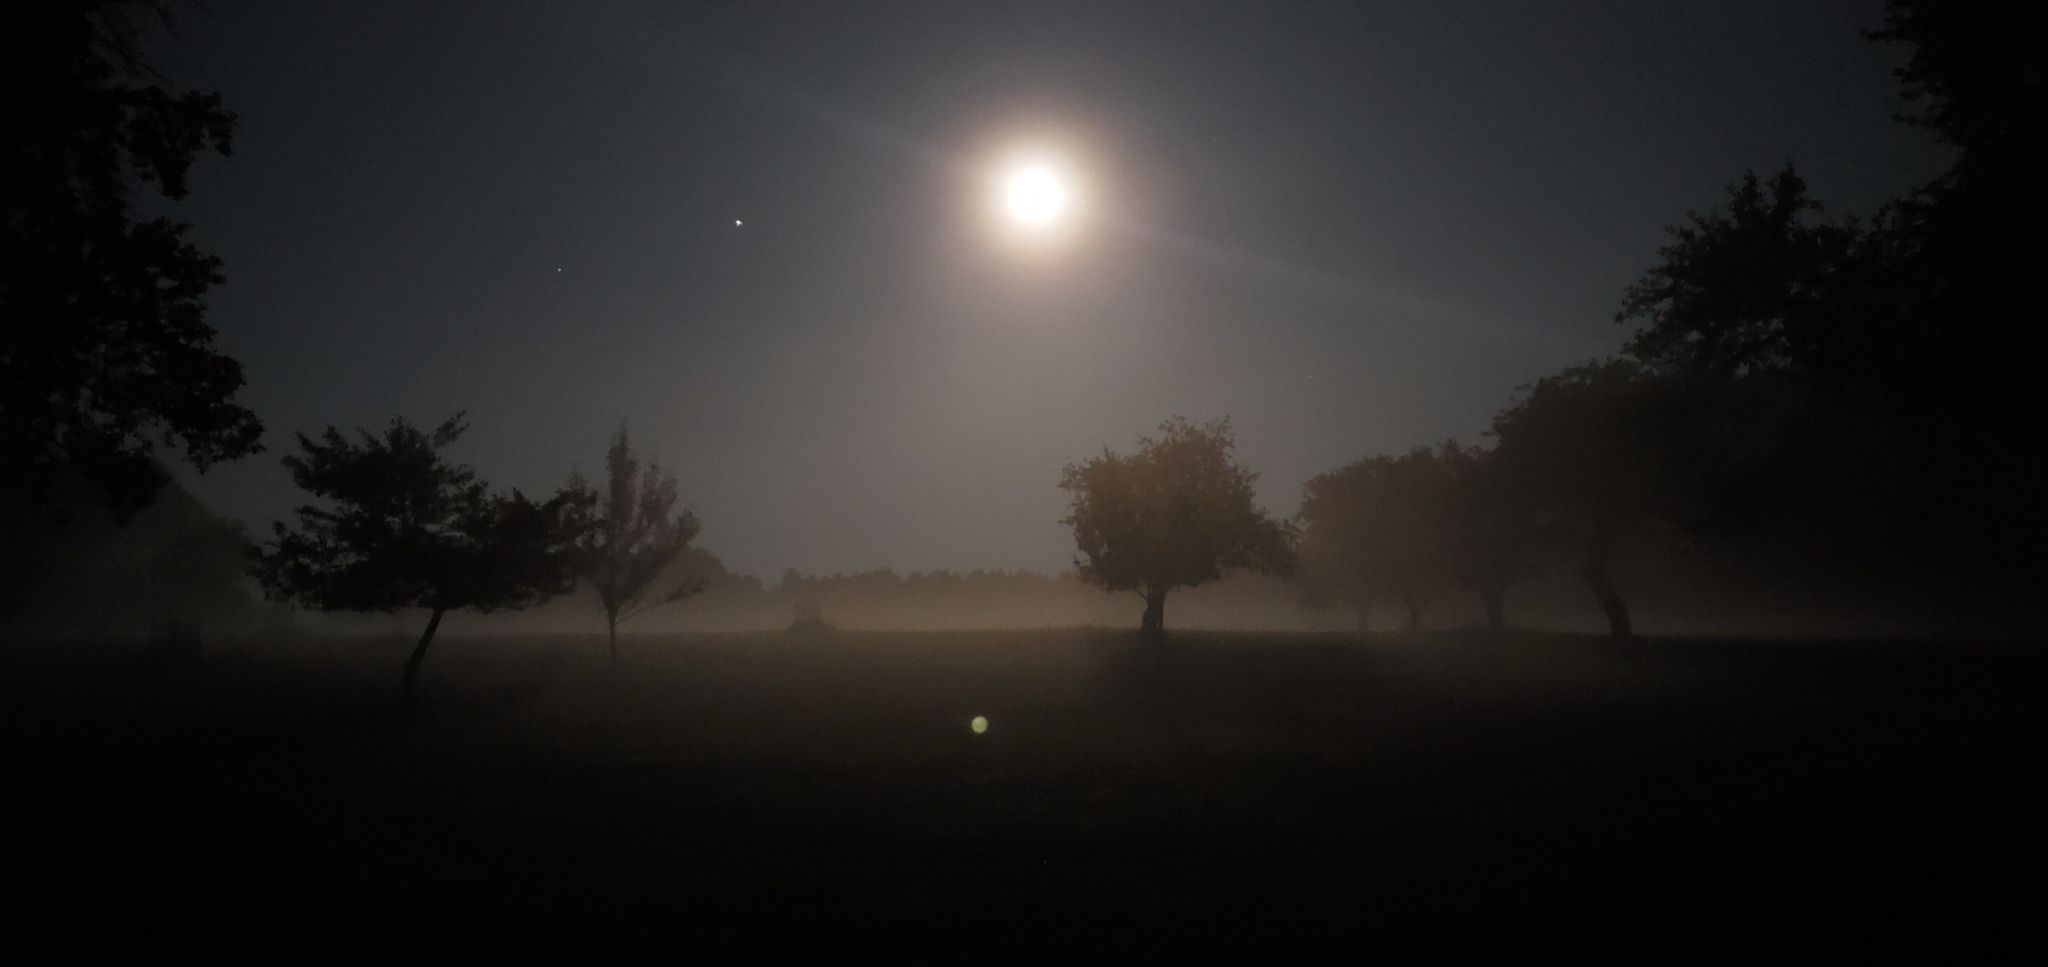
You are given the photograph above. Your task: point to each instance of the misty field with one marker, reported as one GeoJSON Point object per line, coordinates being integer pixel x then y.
{"type": "Point", "coordinates": [774, 789]}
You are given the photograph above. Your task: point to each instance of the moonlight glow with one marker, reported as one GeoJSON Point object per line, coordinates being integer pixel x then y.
{"type": "Point", "coordinates": [1035, 195]}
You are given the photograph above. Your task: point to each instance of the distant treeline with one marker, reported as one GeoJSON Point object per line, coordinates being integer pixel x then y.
{"type": "Point", "coordinates": [177, 565]}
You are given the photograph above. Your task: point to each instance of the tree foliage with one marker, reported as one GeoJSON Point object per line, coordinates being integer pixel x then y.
{"type": "Point", "coordinates": [1412, 526]}
{"type": "Point", "coordinates": [104, 345]}
{"type": "Point", "coordinates": [1840, 340]}
{"type": "Point", "coordinates": [635, 537]}
{"type": "Point", "coordinates": [1486, 525]}
{"type": "Point", "coordinates": [1763, 285]}
{"type": "Point", "coordinates": [1974, 73]}
{"type": "Point", "coordinates": [398, 526]}
{"type": "Point", "coordinates": [1376, 527]}
{"type": "Point", "coordinates": [1609, 446]}
{"type": "Point", "coordinates": [1174, 514]}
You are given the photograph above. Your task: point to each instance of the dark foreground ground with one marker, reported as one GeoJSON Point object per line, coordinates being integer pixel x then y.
{"type": "Point", "coordinates": [742, 794]}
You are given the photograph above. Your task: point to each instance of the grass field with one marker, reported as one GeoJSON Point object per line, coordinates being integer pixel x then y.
{"type": "Point", "coordinates": [764, 790]}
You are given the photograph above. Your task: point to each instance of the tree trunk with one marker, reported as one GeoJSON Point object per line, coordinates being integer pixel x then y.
{"type": "Point", "coordinates": [611, 630]}
{"type": "Point", "coordinates": [1595, 572]}
{"type": "Point", "coordinates": [1363, 608]}
{"type": "Point", "coordinates": [1153, 625]}
{"type": "Point", "coordinates": [1495, 618]}
{"type": "Point", "coordinates": [1414, 612]}
{"type": "Point", "coordinates": [419, 653]}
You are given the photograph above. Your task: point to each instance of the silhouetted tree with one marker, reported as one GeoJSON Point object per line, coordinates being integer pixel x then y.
{"type": "Point", "coordinates": [1839, 339]}
{"type": "Point", "coordinates": [1761, 286]}
{"type": "Point", "coordinates": [1412, 526]}
{"type": "Point", "coordinates": [1486, 523]}
{"type": "Point", "coordinates": [1174, 514]}
{"type": "Point", "coordinates": [104, 347]}
{"type": "Point", "coordinates": [1605, 447]}
{"type": "Point", "coordinates": [1790, 323]}
{"type": "Point", "coordinates": [636, 535]}
{"type": "Point", "coordinates": [1335, 561]}
{"type": "Point", "coordinates": [1974, 77]}
{"type": "Point", "coordinates": [1962, 255]}
{"type": "Point", "coordinates": [1381, 521]}
{"type": "Point", "coordinates": [403, 528]}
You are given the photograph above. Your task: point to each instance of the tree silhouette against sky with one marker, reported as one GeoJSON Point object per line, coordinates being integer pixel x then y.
{"type": "Point", "coordinates": [1173, 514]}
{"type": "Point", "coordinates": [398, 526]}
{"type": "Point", "coordinates": [105, 351]}
{"type": "Point", "coordinates": [634, 537]}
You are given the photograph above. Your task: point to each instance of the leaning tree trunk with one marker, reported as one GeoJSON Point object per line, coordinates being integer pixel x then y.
{"type": "Point", "coordinates": [419, 653]}
{"type": "Point", "coordinates": [1153, 625]}
{"type": "Point", "coordinates": [1594, 570]}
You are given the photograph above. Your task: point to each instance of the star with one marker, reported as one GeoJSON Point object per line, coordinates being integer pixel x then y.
{"type": "Point", "coordinates": [736, 223]}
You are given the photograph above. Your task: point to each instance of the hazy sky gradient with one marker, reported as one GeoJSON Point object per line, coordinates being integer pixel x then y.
{"type": "Point", "coordinates": [1353, 227]}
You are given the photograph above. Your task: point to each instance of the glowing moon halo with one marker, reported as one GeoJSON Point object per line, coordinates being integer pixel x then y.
{"type": "Point", "coordinates": [1035, 195]}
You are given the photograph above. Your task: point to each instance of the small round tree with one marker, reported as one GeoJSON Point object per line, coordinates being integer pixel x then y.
{"type": "Point", "coordinates": [1175, 514]}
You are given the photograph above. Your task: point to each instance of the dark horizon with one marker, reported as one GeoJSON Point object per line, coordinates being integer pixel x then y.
{"type": "Point", "coordinates": [1352, 231]}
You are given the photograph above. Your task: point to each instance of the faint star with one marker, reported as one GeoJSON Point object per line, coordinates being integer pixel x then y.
{"type": "Point", "coordinates": [736, 223]}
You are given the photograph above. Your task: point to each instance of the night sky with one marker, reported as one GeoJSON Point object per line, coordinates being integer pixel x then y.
{"type": "Point", "coordinates": [1353, 227]}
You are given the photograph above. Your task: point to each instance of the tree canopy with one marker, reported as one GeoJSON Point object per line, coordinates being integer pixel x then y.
{"type": "Point", "coordinates": [104, 346]}
{"type": "Point", "coordinates": [1849, 346]}
{"type": "Point", "coordinates": [1762, 285]}
{"type": "Point", "coordinates": [1608, 446]}
{"type": "Point", "coordinates": [399, 526]}
{"type": "Point", "coordinates": [1376, 526]}
{"type": "Point", "coordinates": [1973, 74]}
{"type": "Point", "coordinates": [1412, 526]}
{"type": "Point", "coordinates": [636, 535]}
{"type": "Point", "coordinates": [1174, 514]}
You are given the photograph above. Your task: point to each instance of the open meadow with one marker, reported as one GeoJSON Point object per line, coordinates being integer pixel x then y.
{"type": "Point", "coordinates": [770, 789]}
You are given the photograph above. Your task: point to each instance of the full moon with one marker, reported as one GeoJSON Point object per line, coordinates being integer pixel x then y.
{"type": "Point", "coordinates": [1035, 195]}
